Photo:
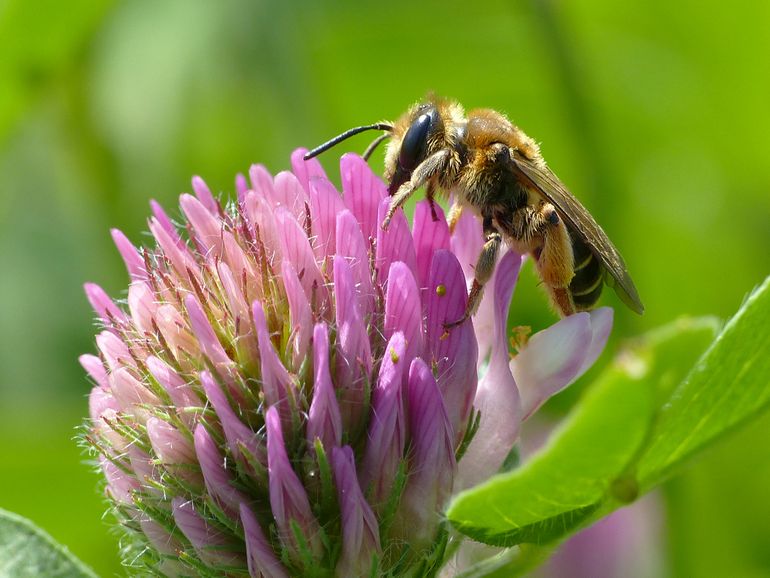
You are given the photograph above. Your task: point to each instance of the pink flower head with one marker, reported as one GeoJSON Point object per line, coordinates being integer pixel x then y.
{"type": "Point", "coordinates": [281, 394]}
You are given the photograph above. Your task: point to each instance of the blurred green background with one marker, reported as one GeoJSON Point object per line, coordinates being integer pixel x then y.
{"type": "Point", "coordinates": [655, 113]}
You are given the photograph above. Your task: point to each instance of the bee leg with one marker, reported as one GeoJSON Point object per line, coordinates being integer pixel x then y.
{"type": "Point", "coordinates": [454, 215]}
{"type": "Point", "coordinates": [485, 266]}
{"type": "Point", "coordinates": [425, 170]}
{"type": "Point", "coordinates": [429, 190]}
{"type": "Point", "coordinates": [554, 259]}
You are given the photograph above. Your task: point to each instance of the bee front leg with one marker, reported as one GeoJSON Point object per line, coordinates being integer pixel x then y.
{"type": "Point", "coordinates": [485, 266]}
{"type": "Point", "coordinates": [424, 171]}
{"type": "Point", "coordinates": [430, 189]}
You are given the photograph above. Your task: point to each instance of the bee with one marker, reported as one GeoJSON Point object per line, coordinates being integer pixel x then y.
{"type": "Point", "coordinates": [489, 166]}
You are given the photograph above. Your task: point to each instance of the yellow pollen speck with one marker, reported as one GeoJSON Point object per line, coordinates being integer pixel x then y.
{"type": "Point", "coordinates": [394, 356]}
{"type": "Point", "coordinates": [440, 290]}
{"type": "Point", "coordinates": [444, 335]}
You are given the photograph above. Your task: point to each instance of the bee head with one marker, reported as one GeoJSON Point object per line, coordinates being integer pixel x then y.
{"type": "Point", "coordinates": [414, 145]}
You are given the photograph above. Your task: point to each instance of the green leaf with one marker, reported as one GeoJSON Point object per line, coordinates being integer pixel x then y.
{"type": "Point", "coordinates": [588, 463]}
{"type": "Point", "coordinates": [641, 420]}
{"type": "Point", "coordinates": [729, 385]}
{"type": "Point", "coordinates": [27, 551]}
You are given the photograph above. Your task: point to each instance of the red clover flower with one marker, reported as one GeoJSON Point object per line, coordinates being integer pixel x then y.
{"type": "Point", "coordinates": [279, 396]}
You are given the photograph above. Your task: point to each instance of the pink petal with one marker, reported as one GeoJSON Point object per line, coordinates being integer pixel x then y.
{"type": "Point", "coordinates": [467, 241]}
{"type": "Point", "coordinates": [454, 353]}
{"type": "Point", "coordinates": [262, 559]}
{"type": "Point", "coordinates": [131, 257]}
{"type": "Point", "coordinates": [362, 192]}
{"type": "Point", "coordinates": [261, 219]}
{"type": "Point", "coordinates": [354, 357]}
{"type": "Point", "coordinates": [395, 244]}
{"type": "Point", "coordinates": [174, 450]}
{"type": "Point", "coordinates": [104, 307]}
{"type": "Point", "coordinates": [245, 339]}
{"type": "Point", "coordinates": [288, 500]}
{"type": "Point", "coordinates": [143, 466]}
{"type": "Point", "coordinates": [324, 421]}
{"type": "Point", "coordinates": [169, 444]}
{"type": "Point", "coordinates": [211, 543]}
{"type": "Point", "coordinates": [306, 171]}
{"type": "Point", "coordinates": [261, 181]}
{"type": "Point", "coordinates": [360, 532]}
{"type": "Point", "coordinates": [239, 264]}
{"type": "Point", "coordinates": [353, 247]}
{"type": "Point", "coordinates": [100, 400]}
{"type": "Point", "coordinates": [207, 227]}
{"type": "Point", "coordinates": [203, 193]}
{"type": "Point", "coordinates": [289, 194]}
{"type": "Point", "coordinates": [429, 236]}
{"type": "Point", "coordinates": [237, 434]}
{"type": "Point", "coordinates": [120, 485]}
{"type": "Point", "coordinates": [143, 306]}
{"type": "Point", "coordinates": [386, 437]}
{"type": "Point", "coordinates": [132, 395]}
{"type": "Point", "coordinates": [432, 458]}
{"type": "Point", "coordinates": [105, 429]}
{"type": "Point", "coordinates": [207, 339]}
{"type": "Point", "coordinates": [601, 326]}
{"type": "Point", "coordinates": [551, 360]}
{"type": "Point", "coordinates": [236, 303]}
{"type": "Point", "coordinates": [497, 397]}
{"type": "Point", "coordinates": [403, 309]}
{"type": "Point", "coordinates": [176, 334]}
{"type": "Point", "coordinates": [180, 392]}
{"type": "Point", "coordinates": [296, 248]}
{"type": "Point", "coordinates": [326, 205]}
{"type": "Point", "coordinates": [160, 539]}
{"type": "Point", "coordinates": [300, 314]}
{"type": "Point", "coordinates": [241, 187]}
{"type": "Point", "coordinates": [163, 220]}
{"type": "Point", "coordinates": [276, 381]}
{"type": "Point", "coordinates": [215, 473]}
{"type": "Point", "coordinates": [114, 351]}
{"type": "Point", "coordinates": [491, 319]}
{"type": "Point", "coordinates": [95, 369]}
{"type": "Point", "coordinates": [179, 256]}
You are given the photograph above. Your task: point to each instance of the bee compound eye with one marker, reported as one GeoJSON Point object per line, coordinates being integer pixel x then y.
{"type": "Point", "coordinates": [553, 218]}
{"type": "Point", "coordinates": [415, 142]}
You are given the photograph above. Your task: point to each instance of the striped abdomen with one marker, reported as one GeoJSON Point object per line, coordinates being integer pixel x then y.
{"type": "Point", "coordinates": [586, 285]}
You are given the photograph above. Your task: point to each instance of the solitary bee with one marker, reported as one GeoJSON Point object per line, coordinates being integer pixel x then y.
{"type": "Point", "coordinates": [492, 168]}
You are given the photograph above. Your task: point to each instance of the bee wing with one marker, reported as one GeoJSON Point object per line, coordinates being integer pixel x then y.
{"type": "Point", "coordinates": [582, 224]}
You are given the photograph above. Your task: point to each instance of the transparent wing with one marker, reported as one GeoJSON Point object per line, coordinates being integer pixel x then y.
{"type": "Point", "coordinates": [581, 223]}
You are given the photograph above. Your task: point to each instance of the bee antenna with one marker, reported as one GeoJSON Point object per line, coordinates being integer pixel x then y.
{"type": "Point", "coordinates": [346, 135]}
{"type": "Point", "coordinates": [373, 146]}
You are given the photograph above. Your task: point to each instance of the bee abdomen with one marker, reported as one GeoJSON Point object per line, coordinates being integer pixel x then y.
{"type": "Point", "coordinates": [586, 286]}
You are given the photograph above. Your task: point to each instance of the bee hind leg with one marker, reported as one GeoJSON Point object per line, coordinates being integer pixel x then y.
{"type": "Point", "coordinates": [485, 266]}
{"type": "Point", "coordinates": [554, 258]}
